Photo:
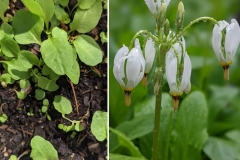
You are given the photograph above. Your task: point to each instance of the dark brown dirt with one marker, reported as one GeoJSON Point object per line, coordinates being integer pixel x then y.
{"type": "Point", "coordinates": [91, 92]}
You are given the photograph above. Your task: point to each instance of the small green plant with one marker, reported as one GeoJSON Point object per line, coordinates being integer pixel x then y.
{"type": "Point", "coordinates": [44, 109]}
{"type": "Point", "coordinates": [99, 125]}
{"type": "Point", "coordinates": [3, 116]}
{"type": "Point", "coordinates": [103, 36]}
{"type": "Point", "coordinates": [42, 149]}
{"type": "Point", "coordinates": [64, 106]}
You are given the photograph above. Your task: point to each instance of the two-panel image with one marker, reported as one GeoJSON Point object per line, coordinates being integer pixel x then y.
{"type": "Point", "coordinates": [119, 80]}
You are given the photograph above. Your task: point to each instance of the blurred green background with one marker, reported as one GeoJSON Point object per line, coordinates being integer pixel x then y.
{"type": "Point", "coordinates": [127, 17]}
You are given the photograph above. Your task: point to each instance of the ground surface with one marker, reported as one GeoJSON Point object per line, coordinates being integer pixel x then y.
{"type": "Point", "coordinates": [91, 92]}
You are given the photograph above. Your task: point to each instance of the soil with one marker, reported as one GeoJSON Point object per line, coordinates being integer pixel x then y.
{"type": "Point", "coordinates": [91, 93]}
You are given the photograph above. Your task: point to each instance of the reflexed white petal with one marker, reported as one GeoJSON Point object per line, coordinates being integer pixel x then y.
{"type": "Point", "coordinates": [118, 75]}
{"type": "Point", "coordinates": [121, 53]}
{"type": "Point", "coordinates": [137, 44]}
{"type": "Point", "coordinates": [171, 72]}
{"type": "Point", "coordinates": [217, 39]}
{"type": "Point", "coordinates": [149, 54]}
{"type": "Point", "coordinates": [188, 88]}
{"type": "Point", "coordinates": [133, 67]}
{"type": "Point", "coordinates": [186, 72]}
{"type": "Point", "coordinates": [152, 7]}
{"type": "Point", "coordinates": [232, 39]}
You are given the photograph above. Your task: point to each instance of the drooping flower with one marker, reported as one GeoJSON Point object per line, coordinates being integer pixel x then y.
{"type": "Point", "coordinates": [178, 71]}
{"type": "Point", "coordinates": [149, 54]}
{"type": "Point", "coordinates": [155, 6]}
{"type": "Point", "coordinates": [225, 41]}
{"type": "Point", "coordinates": [129, 68]}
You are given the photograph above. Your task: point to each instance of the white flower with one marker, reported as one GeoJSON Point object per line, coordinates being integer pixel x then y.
{"type": "Point", "coordinates": [178, 79]}
{"type": "Point", "coordinates": [149, 53]}
{"type": "Point", "coordinates": [225, 46]}
{"type": "Point", "coordinates": [155, 5]}
{"type": "Point", "coordinates": [129, 68]}
{"type": "Point", "coordinates": [225, 41]}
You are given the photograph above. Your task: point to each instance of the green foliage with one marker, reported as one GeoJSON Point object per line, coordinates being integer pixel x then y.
{"type": "Point", "coordinates": [88, 50]}
{"type": "Point", "coordinates": [54, 52]}
{"type": "Point", "coordinates": [85, 20]}
{"type": "Point", "coordinates": [13, 157]}
{"type": "Point", "coordinates": [34, 8]}
{"type": "Point", "coordinates": [27, 27]}
{"type": "Point", "coordinates": [103, 36]}
{"type": "Point", "coordinates": [86, 4]}
{"type": "Point", "coordinates": [3, 118]}
{"type": "Point", "coordinates": [99, 125]}
{"type": "Point", "coordinates": [3, 7]}
{"type": "Point", "coordinates": [42, 149]}
{"type": "Point", "coordinates": [61, 15]}
{"type": "Point", "coordinates": [62, 105]}
{"type": "Point", "coordinates": [47, 84]}
{"type": "Point", "coordinates": [39, 94]}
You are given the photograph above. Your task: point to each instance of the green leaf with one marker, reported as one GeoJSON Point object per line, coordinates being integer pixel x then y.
{"type": "Point", "coordinates": [13, 157]}
{"type": "Point", "coordinates": [124, 141]}
{"type": "Point", "coordinates": [137, 127]}
{"type": "Point", "coordinates": [27, 27]}
{"type": "Point", "coordinates": [54, 22]}
{"type": "Point", "coordinates": [103, 36]}
{"type": "Point", "coordinates": [64, 3]}
{"type": "Point", "coordinates": [45, 102]}
{"type": "Point", "coordinates": [49, 73]}
{"type": "Point", "coordinates": [47, 84]}
{"type": "Point", "coordinates": [57, 53]}
{"type": "Point", "coordinates": [39, 94]}
{"type": "Point", "coordinates": [8, 30]}
{"type": "Point", "coordinates": [78, 126]}
{"type": "Point", "coordinates": [74, 75]}
{"type": "Point", "coordinates": [99, 125]}
{"type": "Point", "coordinates": [17, 69]}
{"type": "Point", "coordinates": [9, 47]}
{"type": "Point", "coordinates": [61, 15]}
{"type": "Point", "coordinates": [88, 50]}
{"type": "Point", "coordinates": [3, 7]}
{"type": "Point", "coordinates": [42, 149]}
{"type": "Point", "coordinates": [62, 104]}
{"type": "Point", "coordinates": [190, 129]}
{"type": "Point", "coordinates": [48, 9]}
{"type": "Point", "coordinates": [85, 20]}
{"type": "Point", "coordinates": [28, 58]}
{"type": "Point", "coordinates": [6, 78]}
{"type": "Point", "coordinates": [220, 149]}
{"type": "Point", "coordinates": [21, 94]}
{"type": "Point", "coordinates": [86, 4]}
{"type": "Point", "coordinates": [24, 84]}
{"type": "Point", "coordinates": [123, 157]}
{"type": "Point", "coordinates": [34, 7]}
{"type": "Point", "coordinates": [44, 109]}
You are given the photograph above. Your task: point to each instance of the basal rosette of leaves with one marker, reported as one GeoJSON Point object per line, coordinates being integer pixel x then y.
{"type": "Point", "coordinates": [59, 35]}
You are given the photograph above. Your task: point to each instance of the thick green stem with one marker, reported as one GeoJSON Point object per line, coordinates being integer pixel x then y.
{"type": "Point", "coordinates": [156, 130]}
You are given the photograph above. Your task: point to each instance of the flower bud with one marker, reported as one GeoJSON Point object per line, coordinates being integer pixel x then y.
{"type": "Point", "coordinates": [161, 16]}
{"type": "Point", "coordinates": [149, 54]}
{"type": "Point", "coordinates": [166, 27]}
{"type": "Point", "coordinates": [180, 16]}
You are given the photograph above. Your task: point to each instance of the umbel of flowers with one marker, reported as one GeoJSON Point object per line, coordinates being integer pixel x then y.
{"type": "Point", "coordinates": [132, 64]}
